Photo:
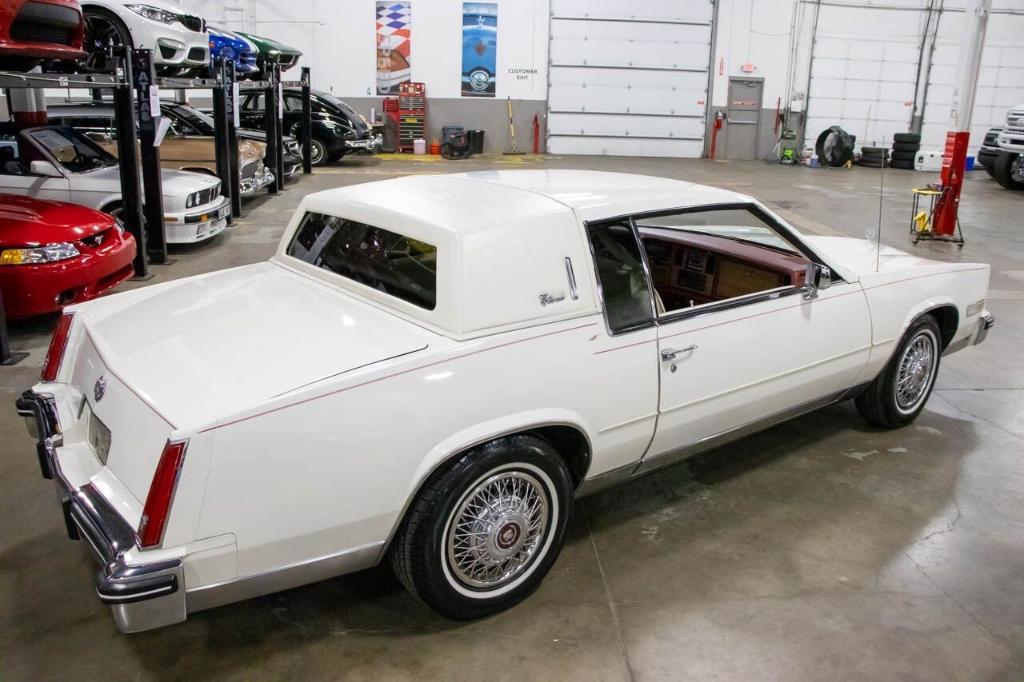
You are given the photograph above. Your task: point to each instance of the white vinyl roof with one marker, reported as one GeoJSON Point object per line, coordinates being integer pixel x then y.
{"type": "Point", "coordinates": [483, 200]}
{"type": "Point", "coordinates": [506, 240]}
{"type": "Point", "coordinates": [599, 194]}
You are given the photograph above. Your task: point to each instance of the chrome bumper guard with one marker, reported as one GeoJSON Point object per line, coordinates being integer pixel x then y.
{"type": "Point", "coordinates": [986, 322]}
{"type": "Point", "coordinates": [254, 184]}
{"type": "Point", "coordinates": [371, 145]}
{"type": "Point", "coordinates": [141, 596]}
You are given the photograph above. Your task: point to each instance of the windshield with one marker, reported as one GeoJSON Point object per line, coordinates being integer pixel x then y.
{"type": "Point", "coordinates": [338, 104]}
{"type": "Point", "coordinates": [732, 223]}
{"type": "Point", "coordinates": [71, 149]}
{"type": "Point", "coordinates": [388, 262]}
{"type": "Point", "coordinates": [202, 122]}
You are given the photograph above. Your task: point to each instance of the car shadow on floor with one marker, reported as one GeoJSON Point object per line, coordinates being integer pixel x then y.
{"type": "Point", "coordinates": [747, 508]}
{"type": "Point", "coordinates": [783, 511]}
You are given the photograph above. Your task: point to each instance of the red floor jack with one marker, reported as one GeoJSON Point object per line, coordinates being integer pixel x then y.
{"type": "Point", "coordinates": [940, 222]}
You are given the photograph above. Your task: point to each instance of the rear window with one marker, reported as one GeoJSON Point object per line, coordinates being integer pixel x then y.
{"type": "Point", "coordinates": [388, 262]}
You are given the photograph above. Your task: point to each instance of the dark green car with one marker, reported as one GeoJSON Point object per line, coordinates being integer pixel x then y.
{"type": "Point", "coordinates": [272, 51]}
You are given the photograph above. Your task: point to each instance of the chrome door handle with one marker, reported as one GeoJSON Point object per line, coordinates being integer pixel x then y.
{"type": "Point", "coordinates": [669, 354]}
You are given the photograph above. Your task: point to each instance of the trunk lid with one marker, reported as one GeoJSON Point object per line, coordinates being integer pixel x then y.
{"type": "Point", "coordinates": [210, 346]}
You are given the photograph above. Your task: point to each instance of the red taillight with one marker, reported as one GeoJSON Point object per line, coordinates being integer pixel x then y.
{"type": "Point", "coordinates": [58, 344]}
{"type": "Point", "coordinates": [161, 492]}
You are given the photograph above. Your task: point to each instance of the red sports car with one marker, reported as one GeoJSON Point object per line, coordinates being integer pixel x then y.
{"type": "Point", "coordinates": [53, 254]}
{"type": "Point", "coordinates": [32, 31]}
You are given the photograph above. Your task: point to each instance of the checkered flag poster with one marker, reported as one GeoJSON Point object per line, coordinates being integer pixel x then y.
{"type": "Point", "coordinates": [394, 40]}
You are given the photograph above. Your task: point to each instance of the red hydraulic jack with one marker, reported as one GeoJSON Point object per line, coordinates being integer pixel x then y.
{"type": "Point", "coordinates": [944, 224]}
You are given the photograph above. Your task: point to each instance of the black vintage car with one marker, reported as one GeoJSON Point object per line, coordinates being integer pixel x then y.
{"type": "Point", "coordinates": [337, 129]}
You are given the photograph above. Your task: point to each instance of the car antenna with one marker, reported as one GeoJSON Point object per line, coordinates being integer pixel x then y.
{"type": "Point", "coordinates": [881, 199]}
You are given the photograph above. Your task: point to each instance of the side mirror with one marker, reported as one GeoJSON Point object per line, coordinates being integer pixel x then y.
{"type": "Point", "coordinates": [816, 278]}
{"type": "Point", "coordinates": [44, 168]}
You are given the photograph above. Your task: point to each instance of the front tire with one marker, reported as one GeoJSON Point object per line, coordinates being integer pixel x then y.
{"type": "Point", "coordinates": [317, 152]}
{"type": "Point", "coordinates": [102, 27]}
{"type": "Point", "coordinates": [900, 392]}
{"type": "Point", "coordinates": [1008, 170]}
{"type": "Point", "coordinates": [485, 530]}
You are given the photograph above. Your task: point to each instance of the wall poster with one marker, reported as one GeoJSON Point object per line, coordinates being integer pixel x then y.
{"type": "Point", "coordinates": [479, 48]}
{"type": "Point", "coordinates": [394, 21]}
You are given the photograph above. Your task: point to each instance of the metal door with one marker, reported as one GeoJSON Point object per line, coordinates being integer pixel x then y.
{"type": "Point", "coordinates": [629, 79]}
{"type": "Point", "coordinates": [743, 113]}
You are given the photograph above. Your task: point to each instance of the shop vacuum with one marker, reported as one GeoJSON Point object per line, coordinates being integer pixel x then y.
{"type": "Point", "coordinates": [455, 143]}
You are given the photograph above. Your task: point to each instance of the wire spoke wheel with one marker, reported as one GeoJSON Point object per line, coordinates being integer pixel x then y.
{"type": "Point", "coordinates": [916, 371]}
{"type": "Point", "coordinates": [495, 533]}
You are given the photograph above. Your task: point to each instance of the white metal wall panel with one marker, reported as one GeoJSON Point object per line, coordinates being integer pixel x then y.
{"type": "Point", "coordinates": [1000, 82]}
{"type": "Point", "coordinates": [864, 71]}
{"type": "Point", "coordinates": [628, 80]}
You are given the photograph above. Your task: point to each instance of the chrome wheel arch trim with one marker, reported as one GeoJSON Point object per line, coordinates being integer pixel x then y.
{"type": "Point", "coordinates": [469, 445]}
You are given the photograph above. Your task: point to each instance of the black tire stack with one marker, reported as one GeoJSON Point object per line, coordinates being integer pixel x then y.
{"type": "Point", "coordinates": [874, 157]}
{"type": "Point", "coordinates": [905, 147]}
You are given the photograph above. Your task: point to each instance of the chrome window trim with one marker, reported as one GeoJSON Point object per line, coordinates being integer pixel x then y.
{"type": "Point", "coordinates": [657, 320]}
{"type": "Point", "coordinates": [600, 289]}
{"type": "Point", "coordinates": [573, 292]}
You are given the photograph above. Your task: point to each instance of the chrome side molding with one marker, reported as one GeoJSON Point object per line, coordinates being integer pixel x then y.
{"type": "Point", "coordinates": [653, 463]}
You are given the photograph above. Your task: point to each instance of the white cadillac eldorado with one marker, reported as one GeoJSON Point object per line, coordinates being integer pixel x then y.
{"type": "Point", "coordinates": [413, 380]}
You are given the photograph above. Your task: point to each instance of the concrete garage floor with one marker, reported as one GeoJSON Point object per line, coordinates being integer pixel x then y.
{"type": "Point", "coordinates": [821, 549]}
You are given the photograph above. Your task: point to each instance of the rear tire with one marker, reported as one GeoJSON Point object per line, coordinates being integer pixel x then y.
{"type": "Point", "coordinates": [484, 530]}
{"type": "Point", "coordinates": [900, 392]}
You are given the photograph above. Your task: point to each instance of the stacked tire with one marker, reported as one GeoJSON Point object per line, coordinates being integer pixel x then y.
{"type": "Point", "coordinates": [905, 147]}
{"type": "Point", "coordinates": [874, 157]}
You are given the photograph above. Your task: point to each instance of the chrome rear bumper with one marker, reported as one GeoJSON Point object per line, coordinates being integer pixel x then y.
{"type": "Point", "coordinates": [141, 596]}
{"type": "Point", "coordinates": [987, 321]}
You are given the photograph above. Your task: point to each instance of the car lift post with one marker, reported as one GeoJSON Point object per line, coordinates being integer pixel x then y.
{"type": "Point", "coordinates": [222, 128]}
{"type": "Point", "coordinates": [147, 97]}
{"type": "Point", "coordinates": [270, 126]}
{"type": "Point", "coordinates": [231, 109]}
{"type": "Point", "coordinates": [131, 180]}
{"type": "Point", "coordinates": [6, 356]}
{"type": "Point", "coordinates": [307, 123]}
{"type": "Point", "coordinates": [278, 167]}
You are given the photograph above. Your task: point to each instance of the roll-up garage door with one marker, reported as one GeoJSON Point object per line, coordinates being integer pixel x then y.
{"type": "Point", "coordinates": [1000, 80]}
{"type": "Point", "coordinates": [864, 71]}
{"type": "Point", "coordinates": [628, 79]}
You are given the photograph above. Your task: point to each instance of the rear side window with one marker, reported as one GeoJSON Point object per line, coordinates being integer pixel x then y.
{"type": "Point", "coordinates": [620, 269]}
{"type": "Point", "coordinates": [386, 261]}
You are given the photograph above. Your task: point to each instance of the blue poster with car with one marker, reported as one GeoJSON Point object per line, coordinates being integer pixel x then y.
{"type": "Point", "coordinates": [479, 48]}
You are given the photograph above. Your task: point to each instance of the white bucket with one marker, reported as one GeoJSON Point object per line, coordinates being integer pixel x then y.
{"type": "Point", "coordinates": [419, 147]}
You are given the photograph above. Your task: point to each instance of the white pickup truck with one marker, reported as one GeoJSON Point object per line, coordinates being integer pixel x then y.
{"type": "Point", "coordinates": [1007, 166]}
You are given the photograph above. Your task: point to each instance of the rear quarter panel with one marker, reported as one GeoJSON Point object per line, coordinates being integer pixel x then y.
{"type": "Point", "coordinates": [331, 468]}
